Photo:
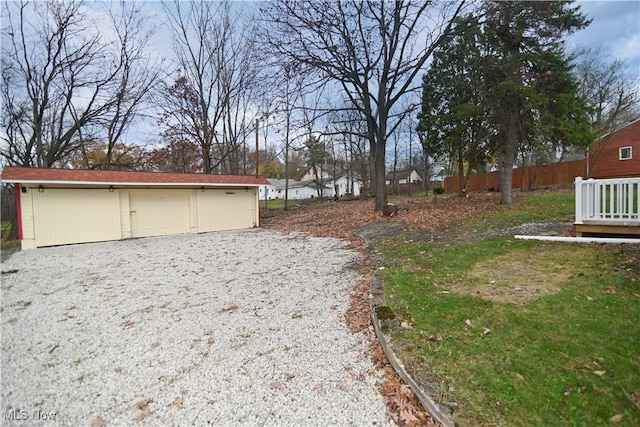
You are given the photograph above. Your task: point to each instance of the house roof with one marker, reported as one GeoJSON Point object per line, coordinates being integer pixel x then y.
{"type": "Point", "coordinates": [279, 184]}
{"type": "Point", "coordinates": [400, 174]}
{"type": "Point", "coordinates": [632, 123]}
{"type": "Point", "coordinates": [122, 178]}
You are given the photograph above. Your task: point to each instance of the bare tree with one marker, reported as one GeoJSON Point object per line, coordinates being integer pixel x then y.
{"type": "Point", "coordinates": [612, 97]}
{"type": "Point", "coordinates": [134, 83]}
{"type": "Point", "coordinates": [57, 80]}
{"type": "Point", "coordinates": [373, 50]}
{"type": "Point", "coordinates": [209, 101]}
{"type": "Point", "coordinates": [65, 85]}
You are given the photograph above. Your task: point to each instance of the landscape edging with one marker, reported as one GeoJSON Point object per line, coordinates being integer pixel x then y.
{"type": "Point", "coordinates": [377, 300]}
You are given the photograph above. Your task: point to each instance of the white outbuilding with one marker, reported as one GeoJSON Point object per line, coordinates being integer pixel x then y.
{"type": "Point", "coordinates": [64, 206]}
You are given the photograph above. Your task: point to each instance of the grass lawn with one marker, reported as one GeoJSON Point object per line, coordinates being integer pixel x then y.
{"type": "Point", "coordinates": [277, 203]}
{"type": "Point", "coordinates": [522, 332]}
{"type": "Point", "coordinates": [5, 243]}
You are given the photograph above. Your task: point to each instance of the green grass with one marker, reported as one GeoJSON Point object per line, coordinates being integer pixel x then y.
{"type": "Point", "coordinates": [523, 332]}
{"type": "Point", "coordinates": [278, 204]}
{"type": "Point", "coordinates": [5, 243]}
{"type": "Point", "coordinates": [556, 206]}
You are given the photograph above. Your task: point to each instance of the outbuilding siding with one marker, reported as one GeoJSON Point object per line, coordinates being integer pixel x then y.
{"type": "Point", "coordinates": [65, 206]}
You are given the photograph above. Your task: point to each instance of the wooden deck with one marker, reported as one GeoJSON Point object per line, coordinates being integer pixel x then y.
{"type": "Point", "coordinates": [604, 229]}
{"type": "Point", "coordinates": [607, 206]}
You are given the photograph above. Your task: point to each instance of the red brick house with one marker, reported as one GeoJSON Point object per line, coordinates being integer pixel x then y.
{"type": "Point", "coordinates": [617, 154]}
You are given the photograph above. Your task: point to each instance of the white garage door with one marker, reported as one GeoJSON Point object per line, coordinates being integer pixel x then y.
{"type": "Point", "coordinates": [64, 216]}
{"type": "Point", "coordinates": [231, 209]}
{"type": "Point", "coordinates": [159, 212]}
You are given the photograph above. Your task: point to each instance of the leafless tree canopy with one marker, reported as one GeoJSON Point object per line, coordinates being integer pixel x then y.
{"type": "Point", "coordinates": [613, 98]}
{"type": "Point", "coordinates": [373, 50]}
{"type": "Point", "coordinates": [64, 83]}
{"type": "Point", "coordinates": [209, 100]}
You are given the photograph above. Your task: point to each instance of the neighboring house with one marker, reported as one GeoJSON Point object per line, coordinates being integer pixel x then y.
{"type": "Point", "coordinates": [322, 170]}
{"type": "Point", "coordinates": [402, 177]}
{"type": "Point", "coordinates": [346, 186]}
{"type": "Point", "coordinates": [309, 189]}
{"type": "Point", "coordinates": [438, 173]}
{"type": "Point", "coordinates": [617, 154]}
{"type": "Point", "coordinates": [298, 190]}
{"type": "Point", "coordinates": [63, 206]}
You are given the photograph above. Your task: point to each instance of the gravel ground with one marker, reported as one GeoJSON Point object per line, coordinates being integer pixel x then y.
{"type": "Point", "coordinates": [230, 328]}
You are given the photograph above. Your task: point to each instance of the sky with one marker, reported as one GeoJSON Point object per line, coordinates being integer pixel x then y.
{"type": "Point", "coordinates": [615, 28]}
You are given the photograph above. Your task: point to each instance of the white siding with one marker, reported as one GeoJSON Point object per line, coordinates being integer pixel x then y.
{"type": "Point", "coordinates": [226, 209]}
{"type": "Point", "coordinates": [26, 218]}
{"type": "Point", "coordinates": [159, 212]}
{"type": "Point", "coordinates": [84, 215]}
{"type": "Point", "coordinates": [125, 214]}
{"type": "Point", "coordinates": [74, 215]}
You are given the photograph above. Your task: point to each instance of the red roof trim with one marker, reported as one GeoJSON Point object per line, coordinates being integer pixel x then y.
{"type": "Point", "coordinates": [71, 176]}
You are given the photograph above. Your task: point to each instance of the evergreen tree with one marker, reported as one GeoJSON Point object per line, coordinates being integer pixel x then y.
{"type": "Point", "coordinates": [524, 40]}
{"type": "Point", "coordinates": [451, 122]}
{"type": "Point", "coordinates": [504, 87]}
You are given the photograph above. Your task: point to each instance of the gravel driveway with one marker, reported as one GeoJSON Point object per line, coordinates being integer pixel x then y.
{"type": "Point", "coordinates": [231, 328]}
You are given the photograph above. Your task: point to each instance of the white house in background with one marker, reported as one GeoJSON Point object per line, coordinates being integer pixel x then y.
{"type": "Point", "coordinates": [323, 173]}
{"type": "Point", "coordinates": [438, 173]}
{"type": "Point", "coordinates": [309, 188]}
{"type": "Point", "coordinates": [402, 177]}
{"type": "Point", "coordinates": [346, 186]}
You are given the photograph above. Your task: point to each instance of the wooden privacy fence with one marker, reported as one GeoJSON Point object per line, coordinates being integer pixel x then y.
{"type": "Point", "coordinates": [531, 177]}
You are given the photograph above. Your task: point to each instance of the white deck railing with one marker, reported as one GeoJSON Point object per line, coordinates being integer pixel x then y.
{"type": "Point", "coordinates": [608, 201]}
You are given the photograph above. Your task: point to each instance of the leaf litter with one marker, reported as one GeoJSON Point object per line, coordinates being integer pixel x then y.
{"type": "Point", "coordinates": [427, 219]}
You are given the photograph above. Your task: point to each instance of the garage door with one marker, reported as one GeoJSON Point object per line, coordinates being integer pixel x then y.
{"type": "Point", "coordinates": [64, 216]}
{"type": "Point", "coordinates": [159, 212]}
{"type": "Point", "coordinates": [220, 209]}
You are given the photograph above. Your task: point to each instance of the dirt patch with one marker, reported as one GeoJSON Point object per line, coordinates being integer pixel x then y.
{"type": "Point", "coordinates": [511, 278]}
{"type": "Point", "coordinates": [379, 230]}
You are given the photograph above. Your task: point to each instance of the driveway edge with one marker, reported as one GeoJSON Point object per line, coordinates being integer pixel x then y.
{"type": "Point", "coordinates": [380, 324]}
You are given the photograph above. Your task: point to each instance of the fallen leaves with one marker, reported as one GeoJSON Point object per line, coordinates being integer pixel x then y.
{"type": "Point", "coordinates": [358, 315]}
{"type": "Point", "coordinates": [342, 220]}
{"type": "Point", "coordinates": [144, 404]}
{"type": "Point", "coordinates": [141, 416]}
{"type": "Point", "coordinates": [98, 422]}
{"type": "Point", "coordinates": [406, 410]}
{"type": "Point", "coordinates": [228, 309]}
{"type": "Point", "coordinates": [616, 418]}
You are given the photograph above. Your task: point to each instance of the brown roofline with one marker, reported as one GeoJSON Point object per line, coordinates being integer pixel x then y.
{"type": "Point", "coordinates": [97, 177]}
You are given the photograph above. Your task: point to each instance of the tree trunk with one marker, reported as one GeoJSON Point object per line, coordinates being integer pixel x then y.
{"type": "Point", "coordinates": [508, 156]}
{"type": "Point", "coordinates": [379, 169]}
{"type": "Point", "coordinates": [461, 182]}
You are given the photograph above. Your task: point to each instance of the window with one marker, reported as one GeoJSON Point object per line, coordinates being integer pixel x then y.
{"type": "Point", "coordinates": [625, 153]}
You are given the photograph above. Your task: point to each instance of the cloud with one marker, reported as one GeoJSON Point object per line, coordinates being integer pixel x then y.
{"type": "Point", "coordinates": [615, 28]}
